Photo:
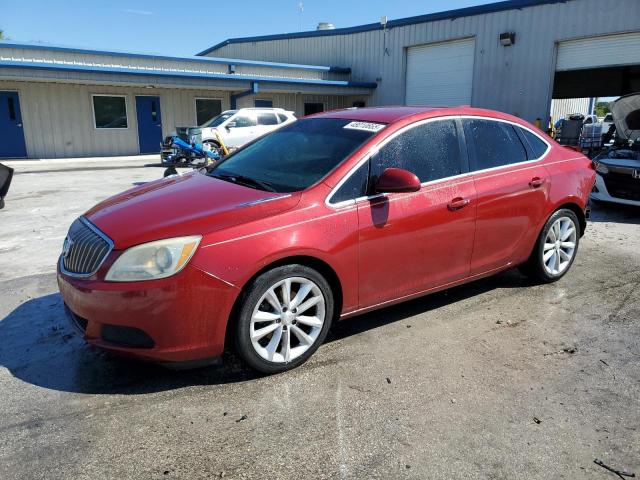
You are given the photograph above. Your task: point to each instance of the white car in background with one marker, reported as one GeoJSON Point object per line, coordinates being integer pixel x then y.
{"type": "Point", "coordinates": [238, 127]}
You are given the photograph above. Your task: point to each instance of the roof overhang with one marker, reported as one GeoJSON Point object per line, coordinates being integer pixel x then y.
{"type": "Point", "coordinates": [22, 71]}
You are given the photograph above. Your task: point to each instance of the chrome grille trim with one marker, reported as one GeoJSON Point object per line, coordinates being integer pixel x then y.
{"type": "Point", "coordinates": [93, 248]}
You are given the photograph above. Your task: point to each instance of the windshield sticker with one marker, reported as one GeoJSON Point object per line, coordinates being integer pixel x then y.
{"type": "Point", "coordinates": [366, 126]}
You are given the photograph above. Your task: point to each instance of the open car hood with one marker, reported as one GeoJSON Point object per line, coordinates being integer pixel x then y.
{"type": "Point", "coordinates": [626, 115]}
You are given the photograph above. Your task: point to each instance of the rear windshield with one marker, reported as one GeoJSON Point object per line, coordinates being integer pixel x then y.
{"type": "Point", "coordinates": [298, 155]}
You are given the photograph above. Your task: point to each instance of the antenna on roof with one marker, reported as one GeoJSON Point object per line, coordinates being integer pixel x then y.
{"type": "Point", "coordinates": [301, 10]}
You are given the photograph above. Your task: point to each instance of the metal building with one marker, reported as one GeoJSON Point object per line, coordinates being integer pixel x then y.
{"type": "Point", "coordinates": [67, 102]}
{"type": "Point", "coordinates": [513, 56]}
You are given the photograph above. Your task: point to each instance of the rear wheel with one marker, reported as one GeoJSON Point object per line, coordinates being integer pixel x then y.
{"type": "Point", "coordinates": [284, 317]}
{"type": "Point", "coordinates": [556, 247]}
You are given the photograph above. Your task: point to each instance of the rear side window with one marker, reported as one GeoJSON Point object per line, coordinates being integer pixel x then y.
{"type": "Point", "coordinates": [537, 146]}
{"type": "Point", "coordinates": [430, 150]}
{"type": "Point", "coordinates": [495, 144]}
{"type": "Point", "coordinates": [267, 119]}
{"type": "Point", "coordinates": [243, 121]}
{"type": "Point", "coordinates": [355, 186]}
{"type": "Point", "coordinates": [282, 117]}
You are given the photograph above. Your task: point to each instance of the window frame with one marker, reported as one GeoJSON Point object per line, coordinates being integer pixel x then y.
{"type": "Point", "coordinates": [324, 107]}
{"type": "Point", "coordinates": [126, 111]}
{"type": "Point", "coordinates": [262, 100]}
{"type": "Point", "coordinates": [465, 156]}
{"type": "Point", "coordinates": [195, 106]}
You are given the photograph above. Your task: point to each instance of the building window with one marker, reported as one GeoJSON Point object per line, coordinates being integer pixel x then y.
{"type": "Point", "coordinates": [263, 103]}
{"type": "Point", "coordinates": [311, 108]}
{"type": "Point", "coordinates": [206, 109]}
{"type": "Point", "coordinates": [110, 111]}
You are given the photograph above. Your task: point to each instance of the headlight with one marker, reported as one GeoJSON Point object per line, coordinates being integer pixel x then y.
{"type": "Point", "coordinates": [601, 168]}
{"type": "Point", "coordinates": [153, 260]}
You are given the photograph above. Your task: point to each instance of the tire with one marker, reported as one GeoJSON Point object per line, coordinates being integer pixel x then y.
{"type": "Point", "coordinates": [549, 263]}
{"type": "Point", "coordinates": [170, 171]}
{"type": "Point", "coordinates": [260, 312]}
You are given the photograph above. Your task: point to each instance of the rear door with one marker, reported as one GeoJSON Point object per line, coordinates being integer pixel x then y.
{"type": "Point", "coordinates": [411, 242]}
{"type": "Point", "coordinates": [149, 123]}
{"type": "Point", "coordinates": [11, 132]}
{"type": "Point", "coordinates": [512, 190]}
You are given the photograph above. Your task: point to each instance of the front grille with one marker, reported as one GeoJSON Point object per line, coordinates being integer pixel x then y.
{"type": "Point", "coordinates": [85, 248]}
{"type": "Point", "coordinates": [621, 185]}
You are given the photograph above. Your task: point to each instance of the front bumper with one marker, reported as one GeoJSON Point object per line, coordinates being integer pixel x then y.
{"type": "Point", "coordinates": [602, 194]}
{"type": "Point", "coordinates": [174, 320]}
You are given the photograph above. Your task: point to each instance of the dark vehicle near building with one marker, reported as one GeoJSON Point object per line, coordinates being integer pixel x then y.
{"type": "Point", "coordinates": [6, 174]}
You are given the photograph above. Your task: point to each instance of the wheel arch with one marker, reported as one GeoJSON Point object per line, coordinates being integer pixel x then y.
{"type": "Point", "coordinates": [322, 267]}
{"type": "Point", "coordinates": [575, 208]}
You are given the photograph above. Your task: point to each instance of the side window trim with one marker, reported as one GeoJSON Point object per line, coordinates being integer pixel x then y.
{"type": "Point", "coordinates": [525, 143]}
{"type": "Point", "coordinates": [465, 166]}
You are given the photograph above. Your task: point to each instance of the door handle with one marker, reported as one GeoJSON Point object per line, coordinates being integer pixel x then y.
{"type": "Point", "coordinates": [536, 182]}
{"type": "Point", "coordinates": [18, 125]}
{"type": "Point", "coordinates": [457, 203]}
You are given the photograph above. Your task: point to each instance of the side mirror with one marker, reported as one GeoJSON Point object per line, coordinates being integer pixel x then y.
{"type": "Point", "coordinates": [394, 180]}
{"type": "Point", "coordinates": [231, 125]}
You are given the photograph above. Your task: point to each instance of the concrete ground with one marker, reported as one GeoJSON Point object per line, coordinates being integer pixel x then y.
{"type": "Point", "coordinates": [496, 379]}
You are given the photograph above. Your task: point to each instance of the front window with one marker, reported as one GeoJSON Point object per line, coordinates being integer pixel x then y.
{"type": "Point", "coordinates": [207, 109]}
{"type": "Point", "coordinates": [296, 156]}
{"type": "Point", "coordinates": [219, 120]}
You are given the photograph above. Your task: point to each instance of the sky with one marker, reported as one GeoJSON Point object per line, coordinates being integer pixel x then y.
{"type": "Point", "coordinates": [179, 28]}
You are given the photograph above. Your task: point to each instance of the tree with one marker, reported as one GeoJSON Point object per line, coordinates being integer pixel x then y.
{"type": "Point", "coordinates": [602, 108]}
{"type": "Point", "coordinates": [1, 35]}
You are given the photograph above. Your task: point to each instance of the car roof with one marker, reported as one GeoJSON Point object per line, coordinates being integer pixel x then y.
{"type": "Point", "coordinates": [397, 113]}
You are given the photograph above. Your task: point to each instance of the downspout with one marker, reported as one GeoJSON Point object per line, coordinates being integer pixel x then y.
{"type": "Point", "coordinates": [236, 96]}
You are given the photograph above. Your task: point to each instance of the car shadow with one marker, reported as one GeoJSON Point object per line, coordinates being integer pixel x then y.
{"type": "Point", "coordinates": [41, 348]}
{"type": "Point", "coordinates": [615, 213]}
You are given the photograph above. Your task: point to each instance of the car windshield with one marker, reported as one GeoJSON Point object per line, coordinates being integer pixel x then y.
{"type": "Point", "coordinates": [216, 121]}
{"type": "Point", "coordinates": [296, 156]}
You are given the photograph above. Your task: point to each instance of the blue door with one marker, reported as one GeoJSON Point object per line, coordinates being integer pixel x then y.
{"type": "Point", "coordinates": [11, 132]}
{"type": "Point", "coordinates": [149, 124]}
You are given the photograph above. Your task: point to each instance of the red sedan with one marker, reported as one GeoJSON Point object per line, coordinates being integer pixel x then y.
{"type": "Point", "coordinates": [334, 215]}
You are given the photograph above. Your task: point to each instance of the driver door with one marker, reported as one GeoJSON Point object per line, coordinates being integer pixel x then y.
{"type": "Point", "coordinates": [412, 242]}
{"type": "Point", "coordinates": [241, 129]}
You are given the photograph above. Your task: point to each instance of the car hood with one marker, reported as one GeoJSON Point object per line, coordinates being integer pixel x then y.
{"type": "Point", "coordinates": [190, 204]}
{"type": "Point", "coordinates": [626, 116]}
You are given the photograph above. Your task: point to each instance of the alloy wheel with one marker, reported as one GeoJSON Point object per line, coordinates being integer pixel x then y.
{"type": "Point", "coordinates": [559, 246]}
{"type": "Point", "coordinates": [287, 319]}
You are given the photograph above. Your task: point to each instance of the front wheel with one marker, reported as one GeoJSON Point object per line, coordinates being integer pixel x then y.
{"type": "Point", "coordinates": [284, 317]}
{"type": "Point", "coordinates": [556, 247]}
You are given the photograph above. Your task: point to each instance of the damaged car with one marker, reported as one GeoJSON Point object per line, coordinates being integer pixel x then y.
{"type": "Point", "coordinates": [618, 168]}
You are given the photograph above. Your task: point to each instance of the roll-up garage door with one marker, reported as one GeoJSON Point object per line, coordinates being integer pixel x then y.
{"type": "Point", "coordinates": [440, 74]}
{"type": "Point", "coordinates": [594, 52]}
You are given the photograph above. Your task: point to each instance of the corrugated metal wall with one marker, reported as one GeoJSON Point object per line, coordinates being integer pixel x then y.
{"type": "Point", "coordinates": [197, 65]}
{"type": "Point", "coordinates": [560, 108]}
{"type": "Point", "coordinates": [515, 79]}
{"type": "Point", "coordinates": [58, 118]}
{"type": "Point", "coordinates": [295, 101]}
